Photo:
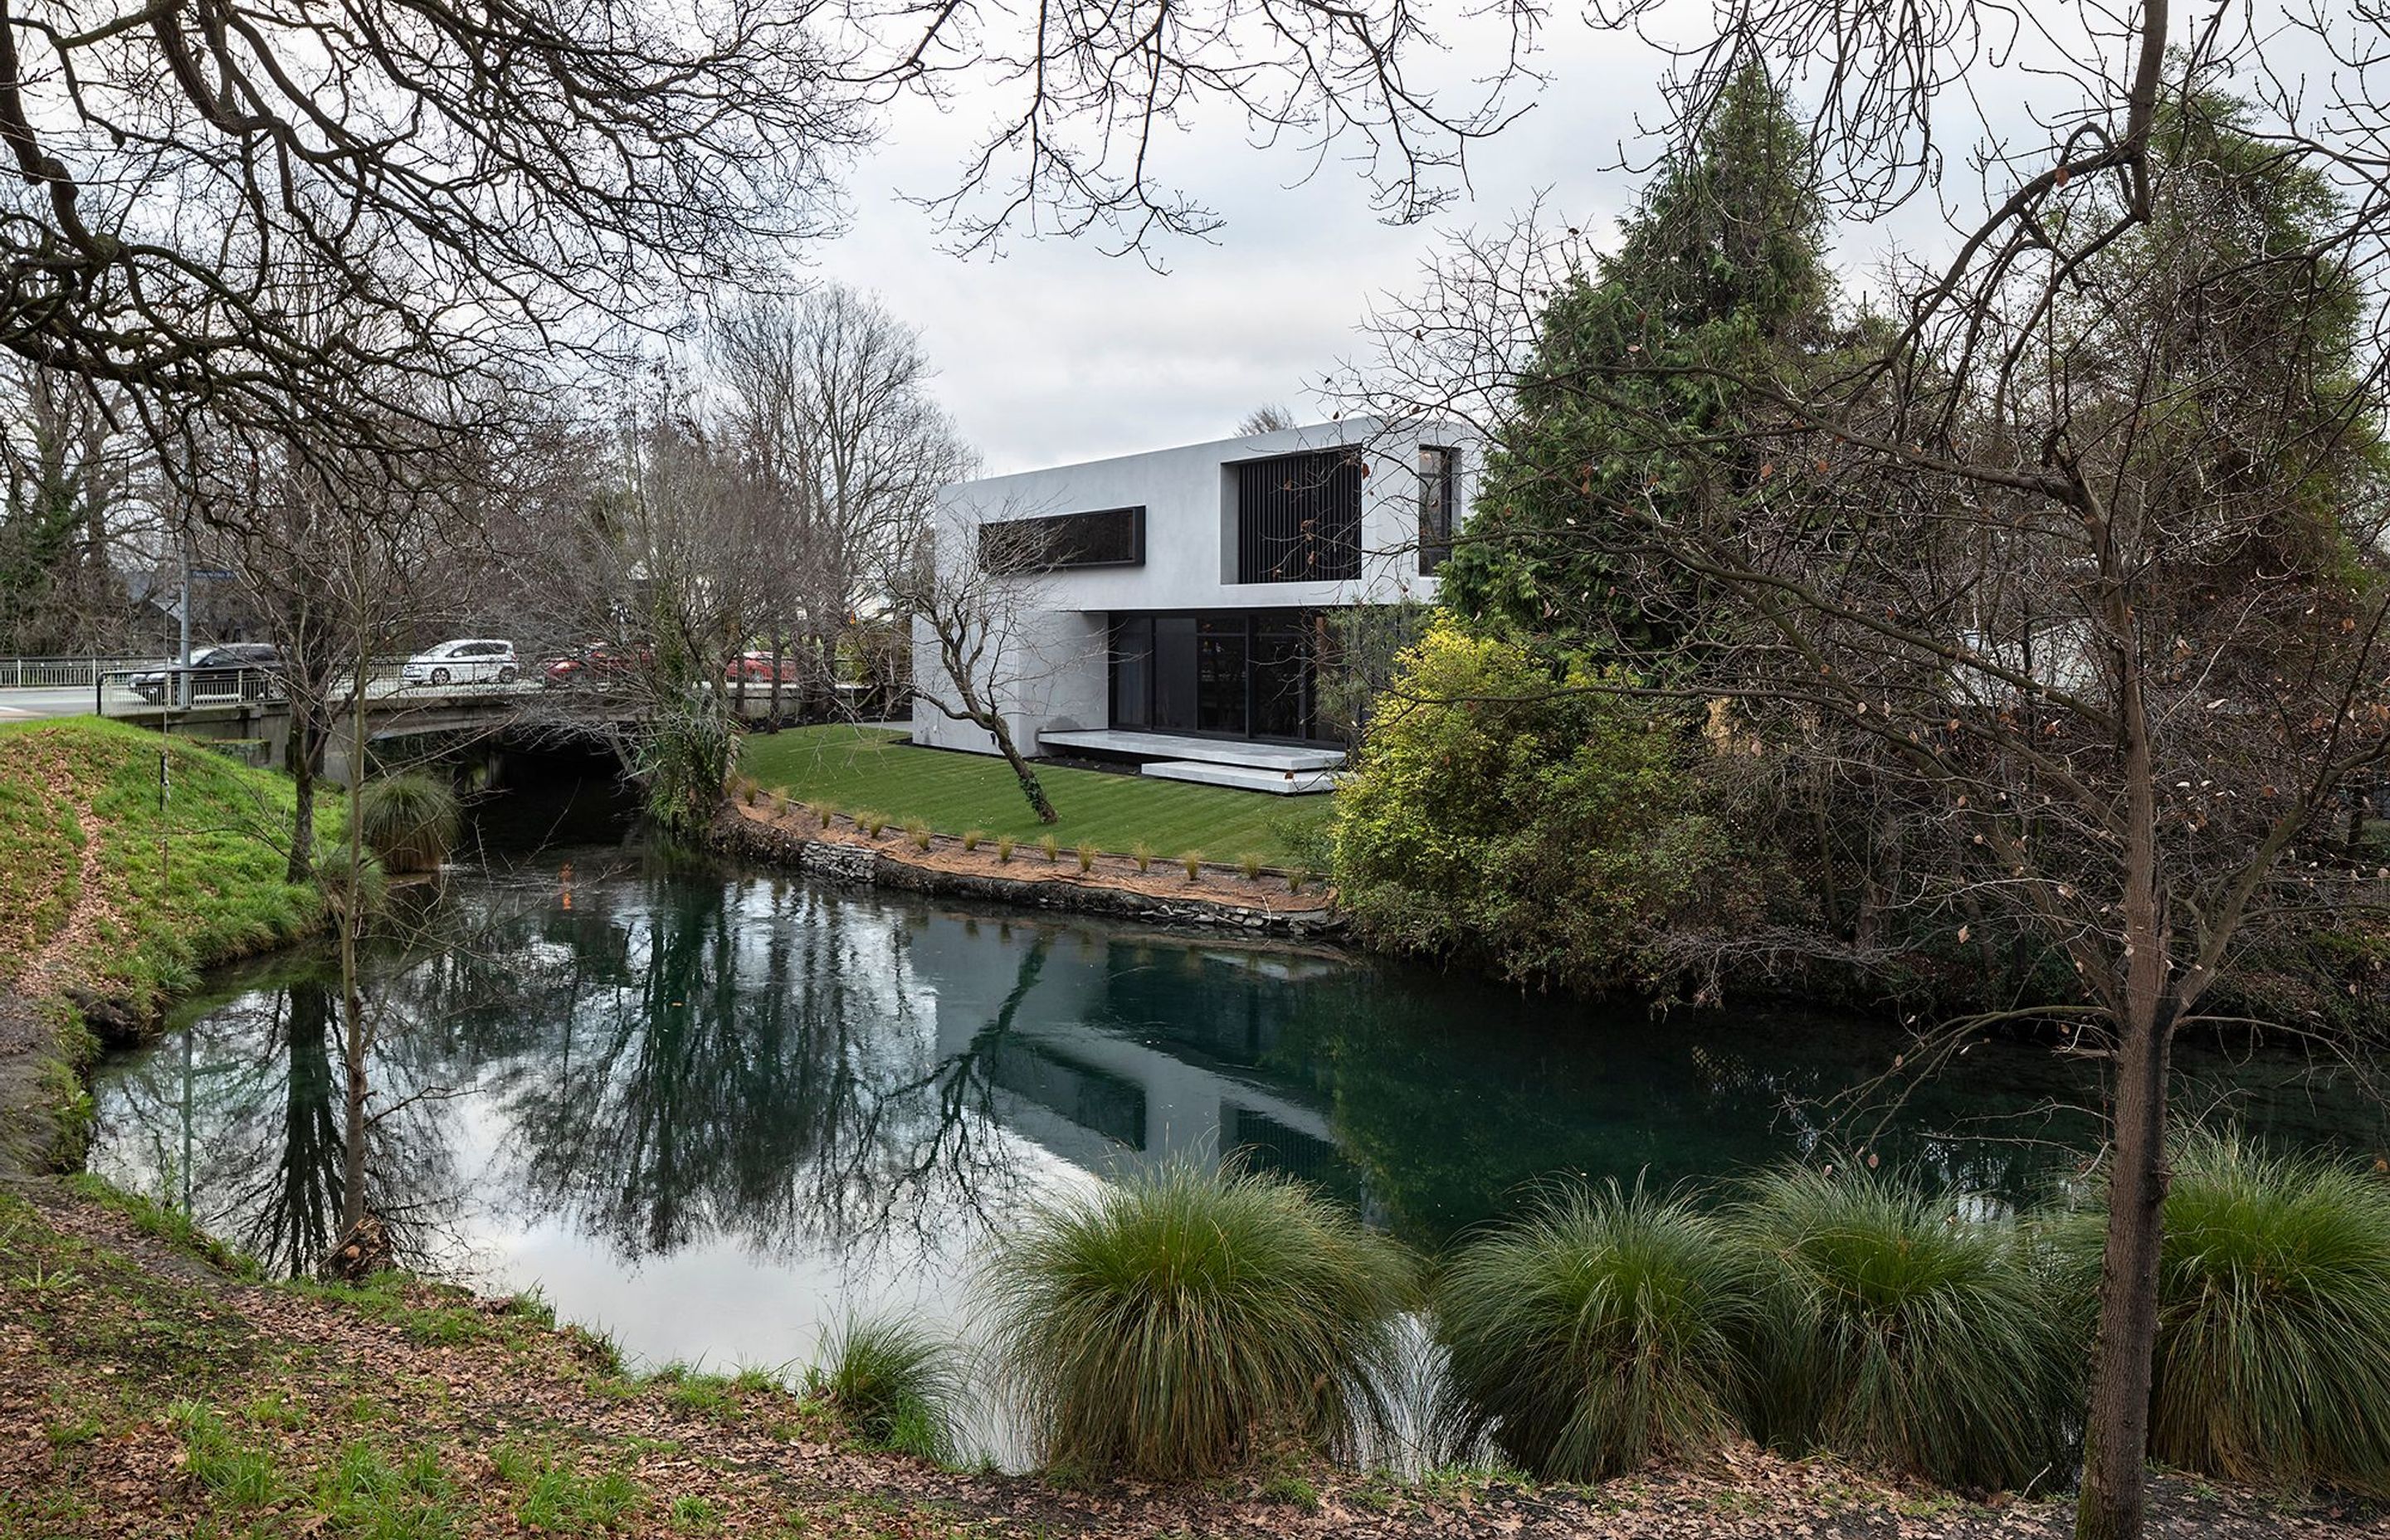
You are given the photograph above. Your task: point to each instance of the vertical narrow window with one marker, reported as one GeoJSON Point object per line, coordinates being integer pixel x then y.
{"type": "Point", "coordinates": [1438, 469]}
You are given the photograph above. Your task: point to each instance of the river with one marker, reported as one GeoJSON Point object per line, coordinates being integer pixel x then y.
{"type": "Point", "coordinates": [710, 1109]}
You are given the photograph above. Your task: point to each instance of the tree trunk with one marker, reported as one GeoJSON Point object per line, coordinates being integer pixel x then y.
{"type": "Point", "coordinates": [301, 758]}
{"type": "Point", "coordinates": [2114, 1500]}
{"type": "Point", "coordinates": [354, 1040]}
{"type": "Point", "coordinates": [1030, 786]}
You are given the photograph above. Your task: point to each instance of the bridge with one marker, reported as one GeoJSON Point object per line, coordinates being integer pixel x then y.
{"type": "Point", "coordinates": [250, 705]}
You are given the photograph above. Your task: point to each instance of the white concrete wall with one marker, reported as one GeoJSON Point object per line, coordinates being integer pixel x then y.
{"type": "Point", "coordinates": [1191, 543]}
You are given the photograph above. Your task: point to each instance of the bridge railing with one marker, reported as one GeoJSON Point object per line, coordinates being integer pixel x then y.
{"type": "Point", "coordinates": [178, 686]}
{"type": "Point", "coordinates": [54, 674]}
{"type": "Point", "coordinates": [174, 686]}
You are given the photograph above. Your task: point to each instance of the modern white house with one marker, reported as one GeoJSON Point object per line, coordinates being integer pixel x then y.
{"type": "Point", "coordinates": [1179, 609]}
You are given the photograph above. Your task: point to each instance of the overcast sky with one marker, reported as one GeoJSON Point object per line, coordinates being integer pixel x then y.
{"type": "Point", "coordinates": [1054, 351]}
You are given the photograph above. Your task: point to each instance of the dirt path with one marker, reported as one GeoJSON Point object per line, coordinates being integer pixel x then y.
{"type": "Point", "coordinates": [150, 1395]}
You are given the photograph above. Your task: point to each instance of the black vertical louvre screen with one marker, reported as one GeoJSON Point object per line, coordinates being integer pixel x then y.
{"type": "Point", "coordinates": [1299, 518]}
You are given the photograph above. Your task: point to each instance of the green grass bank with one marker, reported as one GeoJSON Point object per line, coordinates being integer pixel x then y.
{"type": "Point", "coordinates": [877, 770]}
{"type": "Point", "coordinates": [112, 898]}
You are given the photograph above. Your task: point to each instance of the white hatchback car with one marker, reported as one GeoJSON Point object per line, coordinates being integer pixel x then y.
{"type": "Point", "coordinates": [467, 661]}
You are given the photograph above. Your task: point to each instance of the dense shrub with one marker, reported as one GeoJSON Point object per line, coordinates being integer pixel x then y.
{"type": "Point", "coordinates": [1905, 1335]}
{"type": "Point", "coordinates": [895, 1385]}
{"type": "Point", "coordinates": [1605, 1329]}
{"type": "Point", "coordinates": [1179, 1323]}
{"type": "Point", "coordinates": [1516, 816]}
{"type": "Point", "coordinates": [409, 821]}
{"type": "Point", "coordinates": [2273, 1351]}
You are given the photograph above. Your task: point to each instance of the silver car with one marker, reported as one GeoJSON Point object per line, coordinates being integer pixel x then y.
{"type": "Point", "coordinates": [469, 660]}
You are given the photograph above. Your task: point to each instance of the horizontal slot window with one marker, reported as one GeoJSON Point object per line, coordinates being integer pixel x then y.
{"type": "Point", "coordinates": [1107, 537]}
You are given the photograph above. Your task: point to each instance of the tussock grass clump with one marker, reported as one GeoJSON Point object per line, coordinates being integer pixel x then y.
{"type": "Point", "coordinates": [894, 1385]}
{"type": "Point", "coordinates": [1004, 847]}
{"type": "Point", "coordinates": [872, 823]}
{"type": "Point", "coordinates": [826, 812]}
{"type": "Point", "coordinates": [2273, 1351]}
{"type": "Point", "coordinates": [972, 838]}
{"type": "Point", "coordinates": [1179, 1324]}
{"type": "Point", "coordinates": [1193, 862]}
{"type": "Point", "coordinates": [360, 889]}
{"type": "Point", "coordinates": [1050, 847]}
{"type": "Point", "coordinates": [409, 821]}
{"type": "Point", "coordinates": [1907, 1336]}
{"type": "Point", "coordinates": [1144, 854]}
{"type": "Point", "coordinates": [1086, 859]}
{"type": "Point", "coordinates": [1251, 865]}
{"type": "Point", "coordinates": [1606, 1328]}
{"type": "Point", "coordinates": [916, 834]}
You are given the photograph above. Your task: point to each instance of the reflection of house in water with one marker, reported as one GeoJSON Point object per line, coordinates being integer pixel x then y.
{"type": "Point", "coordinates": [1122, 1051]}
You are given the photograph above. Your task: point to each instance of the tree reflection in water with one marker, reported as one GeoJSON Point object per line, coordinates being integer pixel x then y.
{"type": "Point", "coordinates": [237, 1120]}
{"type": "Point", "coordinates": [683, 1060]}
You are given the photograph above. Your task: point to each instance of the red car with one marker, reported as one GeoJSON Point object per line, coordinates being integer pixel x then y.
{"type": "Point", "coordinates": [601, 664]}
{"type": "Point", "coordinates": [756, 669]}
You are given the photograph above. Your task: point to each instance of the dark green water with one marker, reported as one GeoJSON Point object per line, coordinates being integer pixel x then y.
{"type": "Point", "coordinates": [710, 1109]}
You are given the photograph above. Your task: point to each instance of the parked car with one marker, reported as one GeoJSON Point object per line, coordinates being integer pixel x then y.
{"type": "Point", "coordinates": [469, 660]}
{"type": "Point", "coordinates": [242, 670]}
{"type": "Point", "coordinates": [601, 663]}
{"type": "Point", "coordinates": [756, 669]}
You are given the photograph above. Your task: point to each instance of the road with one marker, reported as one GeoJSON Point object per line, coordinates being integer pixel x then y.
{"type": "Point", "coordinates": [20, 705]}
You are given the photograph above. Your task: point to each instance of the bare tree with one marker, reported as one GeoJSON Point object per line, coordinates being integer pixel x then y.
{"type": "Point", "coordinates": [2071, 549]}
{"type": "Point", "coordinates": [829, 402]}
{"type": "Point", "coordinates": [1270, 416]}
{"type": "Point", "coordinates": [976, 592]}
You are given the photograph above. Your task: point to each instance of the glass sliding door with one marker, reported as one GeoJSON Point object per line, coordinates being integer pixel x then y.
{"type": "Point", "coordinates": [1220, 705]}
{"type": "Point", "coordinates": [1173, 673]}
{"type": "Point", "coordinates": [1238, 674]}
{"type": "Point", "coordinates": [1281, 674]}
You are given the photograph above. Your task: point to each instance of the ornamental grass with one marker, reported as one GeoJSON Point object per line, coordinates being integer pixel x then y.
{"type": "Point", "coordinates": [1605, 1329]}
{"type": "Point", "coordinates": [894, 1385]}
{"type": "Point", "coordinates": [1182, 1322]}
{"type": "Point", "coordinates": [1903, 1334]}
{"type": "Point", "coordinates": [2273, 1349]}
{"type": "Point", "coordinates": [409, 821]}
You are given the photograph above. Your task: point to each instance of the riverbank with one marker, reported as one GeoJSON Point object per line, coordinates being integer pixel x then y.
{"type": "Point", "coordinates": [162, 1392]}
{"type": "Point", "coordinates": [1202, 893]}
{"type": "Point", "coordinates": [113, 897]}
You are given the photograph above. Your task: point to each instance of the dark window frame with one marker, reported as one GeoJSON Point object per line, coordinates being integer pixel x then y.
{"type": "Point", "coordinates": [1045, 543]}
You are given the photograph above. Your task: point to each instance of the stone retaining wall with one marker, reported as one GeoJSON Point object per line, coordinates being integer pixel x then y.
{"type": "Point", "coordinates": [844, 861]}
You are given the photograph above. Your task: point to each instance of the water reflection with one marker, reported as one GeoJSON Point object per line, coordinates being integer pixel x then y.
{"type": "Point", "coordinates": [708, 1110]}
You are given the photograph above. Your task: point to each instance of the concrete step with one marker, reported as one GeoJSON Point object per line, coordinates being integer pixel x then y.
{"type": "Point", "coordinates": [1244, 778]}
{"type": "Point", "coordinates": [1203, 751]}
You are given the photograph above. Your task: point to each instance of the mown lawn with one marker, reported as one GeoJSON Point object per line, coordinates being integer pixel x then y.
{"type": "Point", "coordinates": [877, 770]}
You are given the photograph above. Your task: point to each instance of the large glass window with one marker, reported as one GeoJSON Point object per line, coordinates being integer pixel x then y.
{"type": "Point", "coordinates": [1233, 675]}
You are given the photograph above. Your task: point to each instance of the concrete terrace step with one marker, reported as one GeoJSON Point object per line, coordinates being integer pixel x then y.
{"type": "Point", "coordinates": [1244, 778]}
{"type": "Point", "coordinates": [1272, 757]}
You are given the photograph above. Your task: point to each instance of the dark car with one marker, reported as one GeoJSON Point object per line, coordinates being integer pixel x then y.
{"type": "Point", "coordinates": [245, 671]}
{"type": "Point", "coordinates": [601, 666]}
